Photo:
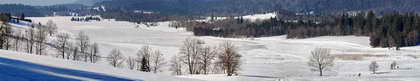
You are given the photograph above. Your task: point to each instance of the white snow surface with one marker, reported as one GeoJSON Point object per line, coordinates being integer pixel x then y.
{"type": "Point", "coordinates": [264, 59]}
{"type": "Point", "coordinates": [17, 66]}
{"type": "Point", "coordinates": [252, 18]}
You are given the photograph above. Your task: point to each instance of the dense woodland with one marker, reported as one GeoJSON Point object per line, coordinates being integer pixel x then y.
{"type": "Point", "coordinates": [242, 7]}
{"type": "Point", "coordinates": [389, 30]}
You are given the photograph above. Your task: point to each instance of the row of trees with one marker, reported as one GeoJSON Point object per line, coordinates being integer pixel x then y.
{"type": "Point", "coordinates": [31, 40]}
{"type": "Point", "coordinates": [194, 58]}
{"type": "Point", "coordinates": [40, 39]}
{"type": "Point", "coordinates": [81, 49]}
{"type": "Point", "coordinates": [388, 30]}
{"type": "Point", "coordinates": [147, 60]}
{"type": "Point", "coordinates": [201, 59]}
{"type": "Point", "coordinates": [234, 27]}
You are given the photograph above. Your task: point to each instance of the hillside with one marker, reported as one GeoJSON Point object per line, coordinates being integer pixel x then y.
{"type": "Point", "coordinates": [29, 67]}
{"type": "Point", "coordinates": [251, 6]}
{"type": "Point", "coordinates": [264, 59]}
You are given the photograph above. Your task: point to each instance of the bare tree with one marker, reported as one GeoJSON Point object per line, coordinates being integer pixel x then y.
{"type": "Point", "coordinates": [7, 39]}
{"type": "Point", "coordinates": [176, 65]}
{"type": "Point", "coordinates": [190, 54]}
{"type": "Point", "coordinates": [373, 67]}
{"type": "Point", "coordinates": [394, 65]}
{"type": "Point", "coordinates": [157, 61]}
{"type": "Point", "coordinates": [62, 43]}
{"type": "Point", "coordinates": [207, 56]}
{"type": "Point", "coordinates": [83, 43]}
{"type": "Point", "coordinates": [143, 57]}
{"type": "Point", "coordinates": [40, 38]}
{"type": "Point", "coordinates": [131, 63]}
{"type": "Point", "coordinates": [30, 36]}
{"type": "Point", "coordinates": [51, 27]}
{"type": "Point", "coordinates": [229, 58]}
{"type": "Point", "coordinates": [94, 56]}
{"type": "Point", "coordinates": [116, 58]}
{"type": "Point", "coordinates": [18, 39]}
{"type": "Point", "coordinates": [76, 53]}
{"type": "Point", "coordinates": [70, 50]}
{"type": "Point", "coordinates": [321, 60]}
{"type": "Point", "coordinates": [5, 30]}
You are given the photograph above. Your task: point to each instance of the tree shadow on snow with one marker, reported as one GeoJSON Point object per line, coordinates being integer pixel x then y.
{"type": "Point", "coordinates": [15, 70]}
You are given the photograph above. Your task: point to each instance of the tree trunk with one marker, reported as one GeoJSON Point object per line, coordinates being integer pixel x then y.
{"type": "Point", "coordinates": [320, 69]}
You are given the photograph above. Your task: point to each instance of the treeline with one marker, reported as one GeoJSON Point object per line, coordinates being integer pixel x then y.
{"type": "Point", "coordinates": [133, 17]}
{"type": "Point", "coordinates": [41, 11]}
{"type": "Point", "coordinates": [234, 27]}
{"type": "Point", "coordinates": [243, 7]}
{"type": "Point", "coordinates": [389, 30]}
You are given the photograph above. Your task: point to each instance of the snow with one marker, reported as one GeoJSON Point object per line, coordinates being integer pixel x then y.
{"type": "Point", "coordinates": [264, 59]}
{"type": "Point", "coordinates": [263, 16]}
{"type": "Point", "coordinates": [16, 66]}
{"type": "Point", "coordinates": [252, 18]}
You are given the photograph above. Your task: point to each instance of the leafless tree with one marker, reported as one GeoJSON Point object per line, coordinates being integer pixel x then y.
{"type": "Point", "coordinates": [131, 63]}
{"type": "Point", "coordinates": [62, 43]}
{"type": "Point", "coordinates": [176, 65]}
{"type": "Point", "coordinates": [229, 59]}
{"type": "Point", "coordinates": [40, 38]}
{"type": "Point", "coordinates": [76, 55]}
{"type": "Point", "coordinates": [70, 49]}
{"type": "Point", "coordinates": [18, 40]}
{"type": "Point", "coordinates": [190, 54]}
{"type": "Point", "coordinates": [51, 27]}
{"type": "Point", "coordinates": [30, 42]}
{"type": "Point", "coordinates": [321, 60]}
{"type": "Point", "coordinates": [157, 61]}
{"type": "Point", "coordinates": [394, 65]}
{"type": "Point", "coordinates": [94, 56]}
{"type": "Point", "coordinates": [373, 67]}
{"type": "Point", "coordinates": [5, 30]}
{"type": "Point", "coordinates": [143, 57]}
{"type": "Point", "coordinates": [207, 56]}
{"type": "Point", "coordinates": [83, 43]}
{"type": "Point", "coordinates": [116, 58]}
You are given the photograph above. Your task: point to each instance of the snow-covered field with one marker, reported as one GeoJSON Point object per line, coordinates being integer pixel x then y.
{"type": "Point", "coordinates": [264, 59]}
{"type": "Point", "coordinates": [253, 17]}
{"type": "Point", "coordinates": [17, 66]}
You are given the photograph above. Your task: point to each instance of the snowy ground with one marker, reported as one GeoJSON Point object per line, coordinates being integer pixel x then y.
{"type": "Point", "coordinates": [265, 59]}
{"type": "Point", "coordinates": [16, 66]}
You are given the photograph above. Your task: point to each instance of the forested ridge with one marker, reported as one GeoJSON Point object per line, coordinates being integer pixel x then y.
{"type": "Point", "coordinates": [389, 30]}
{"type": "Point", "coordinates": [241, 7]}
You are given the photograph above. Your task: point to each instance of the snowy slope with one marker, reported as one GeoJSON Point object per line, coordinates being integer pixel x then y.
{"type": "Point", "coordinates": [265, 59]}
{"type": "Point", "coordinates": [252, 18]}
{"type": "Point", "coordinates": [17, 66]}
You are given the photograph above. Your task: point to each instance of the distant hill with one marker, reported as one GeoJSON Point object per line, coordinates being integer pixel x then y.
{"type": "Point", "coordinates": [15, 9]}
{"type": "Point", "coordinates": [40, 11]}
{"type": "Point", "coordinates": [88, 2]}
{"type": "Point", "coordinates": [250, 6]}
{"type": "Point", "coordinates": [219, 7]}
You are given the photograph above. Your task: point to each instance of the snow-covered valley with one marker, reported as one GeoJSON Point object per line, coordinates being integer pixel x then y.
{"type": "Point", "coordinates": [264, 59]}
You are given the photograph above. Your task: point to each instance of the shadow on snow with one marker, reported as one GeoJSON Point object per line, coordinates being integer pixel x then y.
{"type": "Point", "coordinates": [15, 70]}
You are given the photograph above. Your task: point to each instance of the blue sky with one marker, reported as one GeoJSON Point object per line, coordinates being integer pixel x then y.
{"type": "Point", "coordinates": [36, 2]}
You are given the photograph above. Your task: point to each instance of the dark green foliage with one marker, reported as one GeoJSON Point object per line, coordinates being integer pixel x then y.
{"type": "Point", "coordinates": [145, 66]}
{"type": "Point", "coordinates": [390, 30]}
{"type": "Point", "coordinates": [17, 9]}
